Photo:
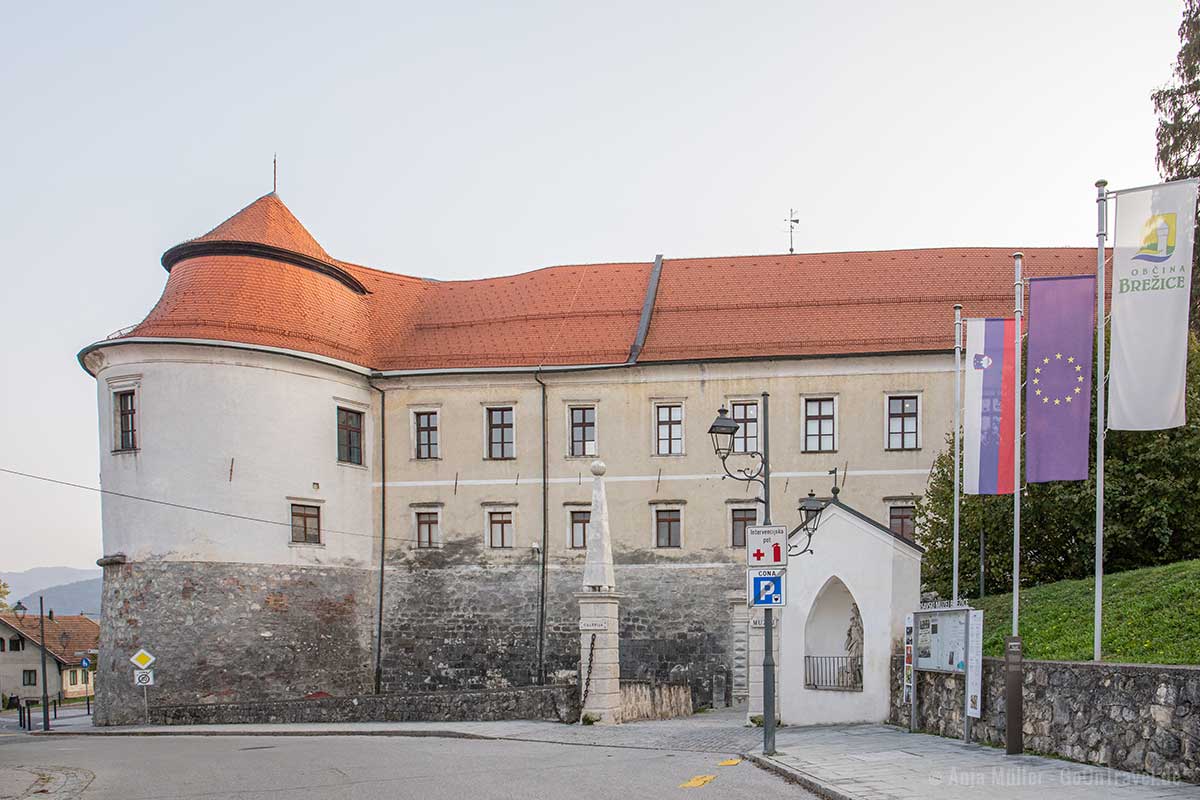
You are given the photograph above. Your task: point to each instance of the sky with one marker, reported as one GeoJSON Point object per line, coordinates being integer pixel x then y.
{"type": "Point", "coordinates": [456, 140]}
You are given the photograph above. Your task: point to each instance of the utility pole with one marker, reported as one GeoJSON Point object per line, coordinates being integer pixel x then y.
{"type": "Point", "coordinates": [768, 612]}
{"type": "Point", "coordinates": [45, 688]}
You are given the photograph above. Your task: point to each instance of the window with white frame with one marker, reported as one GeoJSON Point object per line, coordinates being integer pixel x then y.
{"type": "Point", "coordinates": [745, 414]}
{"type": "Point", "coordinates": [820, 425]}
{"type": "Point", "coordinates": [29, 677]}
{"type": "Point", "coordinates": [668, 429]}
{"type": "Point", "coordinates": [125, 434]}
{"type": "Point", "coordinates": [428, 524]}
{"type": "Point", "coordinates": [306, 524]}
{"type": "Point", "coordinates": [425, 434]}
{"type": "Point", "coordinates": [583, 430]}
{"type": "Point", "coordinates": [668, 527]}
{"type": "Point", "coordinates": [741, 518]}
{"type": "Point", "coordinates": [501, 433]}
{"type": "Point", "coordinates": [580, 520]}
{"type": "Point", "coordinates": [900, 520]}
{"type": "Point", "coordinates": [903, 422]}
{"type": "Point", "coordinates": [500, 529]}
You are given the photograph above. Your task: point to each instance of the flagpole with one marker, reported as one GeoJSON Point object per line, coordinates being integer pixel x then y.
{"type": "Point", "coordinates": [1101, 231]}
{"type": "Point", "coordinates": [1019, 291]}
{"type": "Point", "coordinates": [957, 425]}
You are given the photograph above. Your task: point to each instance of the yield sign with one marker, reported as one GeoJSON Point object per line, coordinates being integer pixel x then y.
{"type": "Point", "coordinates": [142, 658]}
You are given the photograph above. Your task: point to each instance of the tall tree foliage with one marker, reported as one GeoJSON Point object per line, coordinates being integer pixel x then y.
{"type": "Point", "coordinates": [1178, 107]}
{"type": "Point", "coordinates": [1152, 480]}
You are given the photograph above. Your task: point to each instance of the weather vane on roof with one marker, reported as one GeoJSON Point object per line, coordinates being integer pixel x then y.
{"type": "Point", "coordinates": [792, 221]}
{"type": "Point", "coordinates": [274, 172]}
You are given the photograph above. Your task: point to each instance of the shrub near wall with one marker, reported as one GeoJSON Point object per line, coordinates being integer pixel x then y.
{"type": "Point", "coordinates": [1137, 717]}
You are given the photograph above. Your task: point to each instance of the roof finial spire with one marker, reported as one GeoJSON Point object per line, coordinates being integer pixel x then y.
{"type": "Point", "coordinates": [274, 173]}
{"type": "Point", "coordinates": [792, 220]}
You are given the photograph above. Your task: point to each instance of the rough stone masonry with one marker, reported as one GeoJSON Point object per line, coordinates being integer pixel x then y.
{"type": "Point", "coordinates": [240, 632]}
{"type": "Point", "coordinates": [1136, 717]}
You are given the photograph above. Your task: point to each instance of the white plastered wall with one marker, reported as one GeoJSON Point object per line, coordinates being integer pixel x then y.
{"type": "Point", "coordinates": [882, 574]}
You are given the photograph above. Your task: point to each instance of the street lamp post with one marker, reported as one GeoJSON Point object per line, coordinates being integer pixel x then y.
{"type": "Point", "coordinates": [722, 431]}
{"type": "Point", "coordinates": [20, 611]}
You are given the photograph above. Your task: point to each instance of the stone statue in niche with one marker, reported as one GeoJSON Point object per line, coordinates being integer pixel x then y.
{"type": "Point", "coordinates": [854, 648]}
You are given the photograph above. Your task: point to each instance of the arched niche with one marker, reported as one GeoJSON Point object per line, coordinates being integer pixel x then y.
{"type": "Point", "coordinates": [833, 636]}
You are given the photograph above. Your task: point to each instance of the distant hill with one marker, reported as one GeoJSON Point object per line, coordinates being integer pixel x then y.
{"type": "Point", "coordinates": [1151, 616]}
{"type": "Point", "coordinates": [69, 598]}
{"type": "Point", "coordinates": [32, 581]}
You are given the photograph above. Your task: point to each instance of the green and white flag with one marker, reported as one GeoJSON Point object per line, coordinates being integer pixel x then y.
{"type": "Point", "coordinates": [1151, 287]}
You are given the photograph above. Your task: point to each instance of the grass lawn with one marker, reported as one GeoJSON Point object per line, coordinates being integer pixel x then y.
{"type": "Point", "coordinates": [1151, 616]}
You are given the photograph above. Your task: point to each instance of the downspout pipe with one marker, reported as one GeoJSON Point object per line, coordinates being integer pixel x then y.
{"type": "Point", "coordinates": [382, 535]}
{"type": "Point", "coordinates": [541, 646]}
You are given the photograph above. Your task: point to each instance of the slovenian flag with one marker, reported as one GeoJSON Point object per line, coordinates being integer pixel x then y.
{"type": "Point", "coordinates": [989, 427]}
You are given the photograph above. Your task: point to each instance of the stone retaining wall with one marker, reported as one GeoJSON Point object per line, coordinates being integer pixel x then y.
{"type": "Point", "coordinates": [559, 703]}
{"type": "Point", "coordinates": [651, 700]}
{"type": "Point", "coordinates": [1137, 717]}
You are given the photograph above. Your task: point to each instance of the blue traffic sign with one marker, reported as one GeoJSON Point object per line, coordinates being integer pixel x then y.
{"type": "Point", "coordinates": [766, 588]}
{"type": "Point", "coordinates": [85, 662]}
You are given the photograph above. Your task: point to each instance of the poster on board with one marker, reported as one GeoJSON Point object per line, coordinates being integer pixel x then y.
{"type": "Point", "coordinates": [942, 640]}
{"type": "Point", "coordinates": [975, 665]}
{"type": "Point", "coordinates": [908, 658]}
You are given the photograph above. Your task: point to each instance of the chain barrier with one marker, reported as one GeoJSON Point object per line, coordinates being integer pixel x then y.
{"type": "Point", "coordinates": [587, 684]}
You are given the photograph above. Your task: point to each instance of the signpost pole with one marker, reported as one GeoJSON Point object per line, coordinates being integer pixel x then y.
{"type": "Point", "coordinates": [768, 615]}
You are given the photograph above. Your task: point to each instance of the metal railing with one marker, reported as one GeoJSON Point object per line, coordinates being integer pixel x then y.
{"type": "Point", "coordinates": [841, 673]}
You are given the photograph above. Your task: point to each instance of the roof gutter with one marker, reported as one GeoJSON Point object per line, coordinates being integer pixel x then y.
{"type": "Point", "coordinates": [647, 311]}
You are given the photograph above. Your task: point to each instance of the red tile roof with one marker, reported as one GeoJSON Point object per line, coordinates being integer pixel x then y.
{"type": "Point", "coordinates": [260, 278]}
{"type": "Point", "coordinates": [65, 635]}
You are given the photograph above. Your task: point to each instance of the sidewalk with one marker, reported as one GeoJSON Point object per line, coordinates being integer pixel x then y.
{"type": "Point", "coordinates": [879, 762]}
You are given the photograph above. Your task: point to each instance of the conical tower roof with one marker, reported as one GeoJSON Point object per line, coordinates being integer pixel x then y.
{"type": "Point", "coordinates": [268, 221]}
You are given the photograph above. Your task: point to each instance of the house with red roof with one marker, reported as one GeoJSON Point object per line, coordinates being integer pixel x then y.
{"type": "Point", "coordinates": [69, 640]}
{"type": "Point", "coordinates": [323, 477]}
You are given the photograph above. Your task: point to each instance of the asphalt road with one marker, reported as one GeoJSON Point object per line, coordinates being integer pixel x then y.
{"type": "Point", "coordinates": [362, 768]}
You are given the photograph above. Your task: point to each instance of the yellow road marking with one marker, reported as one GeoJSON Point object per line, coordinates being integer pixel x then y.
{"type": "Point", "coordinates": [730, 762]}
{"type": "Point", "coordinates": [697, 781]}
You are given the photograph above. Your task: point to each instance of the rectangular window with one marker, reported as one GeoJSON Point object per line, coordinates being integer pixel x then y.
{"type": "Point", "coordinates": [901, 522]}
{"type": "Point", "coordinates": [1, 645]}
{"type": "Point", "coordinates": [742, 519]}
{"type": "Point", "coordinates": [583, 430]}
{"type": "Point", "coordinates": [669, 427]}
{"type": "Point", "coordinates": [349, 436]}
{"type": "Point", "coordinates": [16, 644]}
{"type": "Point", "coordinates": [902, 423]}
{"type": "Point", "coordinates": [29, 677]}
{"type": "Point", "coordinates": [501, 443]}
{"type": "Point", "coordinates": [500, 529]}
{"type": "Point", "coordinates": [306, 524]}
{"type": "Point", "coordinates": [74, 677]}
{"type": "Point", "coordinates": [669, 527]}
{"type": "Point", "coordinates": [427, 529]}
{"type": "Point", "coordinates": [126, 420]}
{"type": "Point", "coordinates": [87, 677]}
{"type": "Point", "coordinates": [579, 529]}
{"type": "Point", "coordinates": [427, 434]}
{"type": "Point", "coordinates": [818, 425]}
{"type": "Point", "coordinates": [745, 414]}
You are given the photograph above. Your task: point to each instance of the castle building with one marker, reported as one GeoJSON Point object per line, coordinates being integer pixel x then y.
{"type": "Point", "coordinates": [327, 478]}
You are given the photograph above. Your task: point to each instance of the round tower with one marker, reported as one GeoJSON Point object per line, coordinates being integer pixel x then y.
{"type": "Point", "coordinates": [238, 445]}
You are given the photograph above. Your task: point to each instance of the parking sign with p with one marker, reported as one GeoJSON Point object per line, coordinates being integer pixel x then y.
{"type": "Point", "coordinates": [765, 588]}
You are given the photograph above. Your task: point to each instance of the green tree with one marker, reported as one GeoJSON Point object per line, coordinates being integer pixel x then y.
{"type": "Point", "coordinates": [1178, 108]}
{"type": "Point", "coordinates": [3, 596]}
{"type": "Point", "coordinates": [1151, 481]}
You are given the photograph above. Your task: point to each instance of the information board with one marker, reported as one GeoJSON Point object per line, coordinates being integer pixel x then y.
{"type": "Point", "coordinates": [941, 640]}
{"type": "Point", "coordinates": [975, 665]}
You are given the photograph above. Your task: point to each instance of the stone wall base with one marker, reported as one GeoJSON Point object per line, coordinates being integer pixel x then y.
{"type": "Point", "coordinates": [558, 703]}
{"type": "Point", "coordinates": [1136, 717]}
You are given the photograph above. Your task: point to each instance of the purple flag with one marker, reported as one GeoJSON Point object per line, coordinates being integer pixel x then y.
{"type": "Point", "coordinates": [1058, 383]}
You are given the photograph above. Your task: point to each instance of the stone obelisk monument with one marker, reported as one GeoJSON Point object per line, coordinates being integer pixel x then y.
{"type": "Point", "coordinates": [599, 635]}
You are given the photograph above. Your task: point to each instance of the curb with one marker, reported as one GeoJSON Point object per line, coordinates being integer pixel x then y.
{"type": "Point", "coordinates": [183, 731]}
{"type": "Point", "coordinates": [802, 779]}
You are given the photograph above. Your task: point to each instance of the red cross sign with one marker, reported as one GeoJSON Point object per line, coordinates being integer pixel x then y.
{"type": "Point", "coordinates": [766, 546]}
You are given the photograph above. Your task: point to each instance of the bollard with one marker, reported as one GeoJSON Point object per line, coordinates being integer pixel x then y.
{"type": "Point", "coordinates": [55, 708]}
{"type": "Point", "coordinates": [20, 716]}
{"type": "Point", "coordinates": [87, 698]}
